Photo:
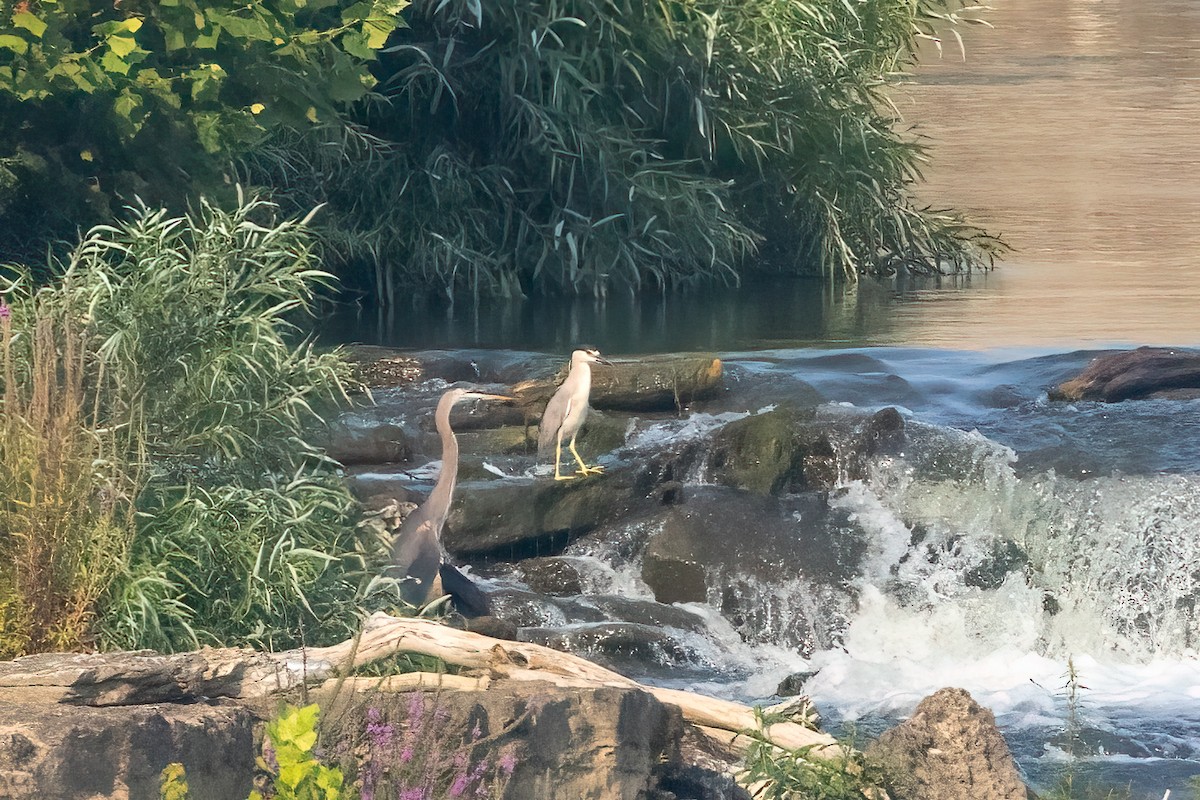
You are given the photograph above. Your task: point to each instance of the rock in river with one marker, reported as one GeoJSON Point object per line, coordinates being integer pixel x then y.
{"type": "Point", "coordinates": [1147, 372]}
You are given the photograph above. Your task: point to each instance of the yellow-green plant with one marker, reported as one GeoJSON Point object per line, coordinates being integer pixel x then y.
{"type": "Point", "coordinates": [173, 783]}
{"type": "Point", "coordinates": [296, 772]}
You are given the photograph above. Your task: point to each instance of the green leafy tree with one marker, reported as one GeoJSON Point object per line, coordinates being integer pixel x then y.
{"type": "Point", "coordinates": [100, 100]}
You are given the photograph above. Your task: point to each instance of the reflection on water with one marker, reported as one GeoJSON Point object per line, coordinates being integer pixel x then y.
{"type": "Point", "coordinates": [765, 313]}
{"type": "Point", "coordinates": [1071, 128]}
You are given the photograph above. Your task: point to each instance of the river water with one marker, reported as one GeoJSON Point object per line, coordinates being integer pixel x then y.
{"type": "Point", "coordinates": [1071, 128]}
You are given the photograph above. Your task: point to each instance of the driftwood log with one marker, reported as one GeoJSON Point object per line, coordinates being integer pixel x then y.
{"type": "Point", "coordinates": [384, 636]}
{"type": "Point", "coordinates": [146, 677]}
{"type": "Point", "coordinates": [650, 383]}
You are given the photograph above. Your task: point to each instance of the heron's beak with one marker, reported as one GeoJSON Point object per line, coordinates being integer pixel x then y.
{"type": "Point", "coordinates": [603, 361]}
{"type": "Point", "coordinates": [481, 396]}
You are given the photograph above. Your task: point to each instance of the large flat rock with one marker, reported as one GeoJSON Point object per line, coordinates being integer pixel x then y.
{"type": "Point", "coordinates": [85, 753]}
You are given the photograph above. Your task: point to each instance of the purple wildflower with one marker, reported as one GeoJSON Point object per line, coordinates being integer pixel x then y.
{"type": "Point", "coordinates": [476, 732]}
{"type": "Point", "coordinates": [416, 709]}
{"type": "Point", "coordinates": [461, 782]}
{"type": "Point", "coordinates": [379, 732]}
{"type": "Point", "coordinates": [415, 793]}
{"type": "Point", "coordinates": [5, 311]}
{"type": "Point", "coordinates": [508, 762]}
{"type": "Point", "coordinates": [441, 715]}
{"type": "Point", "coordinates": [406, 754]}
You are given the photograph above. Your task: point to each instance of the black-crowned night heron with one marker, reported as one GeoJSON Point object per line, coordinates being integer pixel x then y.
{"type": "Point", "coordinates": [567, 411]}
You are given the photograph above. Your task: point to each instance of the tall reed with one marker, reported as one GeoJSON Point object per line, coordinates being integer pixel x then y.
{"type": "Point", "coordinates": [65, 515]}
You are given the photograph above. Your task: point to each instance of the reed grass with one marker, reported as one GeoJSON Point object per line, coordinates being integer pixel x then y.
{"type": "Point", "coordinates": [597, 144]}
{"type": "Point", "coordinates": [65, 519]}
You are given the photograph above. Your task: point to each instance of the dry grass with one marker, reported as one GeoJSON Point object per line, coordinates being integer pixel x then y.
{"type": "Point", "coordinates": [64, 524]}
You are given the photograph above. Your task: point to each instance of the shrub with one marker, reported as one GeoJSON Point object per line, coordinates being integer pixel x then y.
{"type": "Point", "coordinates": [189, 382]}
{"type": "Point", "coordinates": [102, 100]}
{"type": "Point", "coordinates": [621, 143]}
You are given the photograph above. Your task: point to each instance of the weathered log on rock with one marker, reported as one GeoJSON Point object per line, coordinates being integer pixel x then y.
{"type": "Point", "coordinates": [384, 636]}
{"type": "Point", "coordinates": [383, 367]}
{"type": "Point", "coordinates": [112, 679]}
{"type": "Point", "coordinates": [1146, 372]}
{"type": "Point", "coordinates": [651, 383]}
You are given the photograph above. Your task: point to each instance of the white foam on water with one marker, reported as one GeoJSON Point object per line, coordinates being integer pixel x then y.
{"type": "Point", "coordinates": [657, 433]}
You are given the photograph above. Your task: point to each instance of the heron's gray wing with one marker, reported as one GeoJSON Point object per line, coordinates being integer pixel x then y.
{"type": "Point", "coordinates": [556, 411]}
{"type": "Point", "coordinates": [416, 555]}
{"type": "Point", "coordinates": [469, 600]}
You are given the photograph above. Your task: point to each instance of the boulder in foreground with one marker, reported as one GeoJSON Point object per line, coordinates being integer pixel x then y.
{"type": "Point", "coordinates": [949, 749]}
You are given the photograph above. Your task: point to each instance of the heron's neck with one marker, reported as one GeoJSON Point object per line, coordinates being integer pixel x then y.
{"type": "Point", "coordinates": [443, 490]}
{"type": "Point", "coordinates": [585, 376]}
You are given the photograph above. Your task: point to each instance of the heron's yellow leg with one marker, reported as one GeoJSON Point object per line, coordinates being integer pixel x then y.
{"type": "Point", "coordinates": [584, 469]}
{"type": "Point", "coordinates": [558, 460]}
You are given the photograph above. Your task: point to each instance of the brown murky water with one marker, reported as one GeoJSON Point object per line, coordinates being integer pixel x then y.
{"type": "Point", "coordinates": [1073, 128]}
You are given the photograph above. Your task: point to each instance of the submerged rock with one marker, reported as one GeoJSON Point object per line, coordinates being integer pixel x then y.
{"type": "Point", "coordinates": [949, 749]}
{"type": "Point", "coordinates": [1147, 372]}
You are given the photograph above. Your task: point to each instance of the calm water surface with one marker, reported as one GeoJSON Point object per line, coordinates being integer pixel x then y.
{"type": "Point", "coordinates": [1071, 127]}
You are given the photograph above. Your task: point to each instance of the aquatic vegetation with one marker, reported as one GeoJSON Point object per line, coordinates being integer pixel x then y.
{"type": "Point", "coordinates": [774, 773]}
{"type": "Point", "coordinates": [599, 145]}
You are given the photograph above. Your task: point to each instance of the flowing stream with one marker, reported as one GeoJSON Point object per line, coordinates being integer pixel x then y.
{"type": "Point", "coordinates": [1015, 542]}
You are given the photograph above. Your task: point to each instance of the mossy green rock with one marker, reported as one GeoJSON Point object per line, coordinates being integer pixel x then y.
{"type": "Point", "coordinates": [773, 452]}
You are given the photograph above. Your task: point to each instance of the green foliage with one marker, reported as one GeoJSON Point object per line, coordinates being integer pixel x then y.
{"type": "Point", "coordinates": [65, 523]}
{"type": "Point", "coordinates": [173, 783]}
{"type": "Point", "coordinates": [774, 773]}
{"type": "Point", "coordinates": [102, 99]}
{"type": "Point", "coordinates": [288, 758]}
{"type": "Point", "coordinates": [585, 145]}
{"type": "Point", "coordinates": [298, 775]}
{"type": "Point", "coordinates": [244, 531]}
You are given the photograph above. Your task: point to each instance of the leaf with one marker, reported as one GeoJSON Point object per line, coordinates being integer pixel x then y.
{"type": "Point", "coordinates": [208, 41]}
{"type": "Point", "coordinates": [13, 43]}
{"type": "Point", "coordinates": [377, 30]}
{"type": "Point", "coordinates": [23, 19]}
{"type": "Point", "coordinates": [111, 62]}
{"type": "Point", "coordinates": [355, 44]}
{"type": "Point", "coordinates": [121, 45]}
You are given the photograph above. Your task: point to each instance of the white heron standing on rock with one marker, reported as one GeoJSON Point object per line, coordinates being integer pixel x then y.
{"type": "Point", "coordinates": [417, 554]}
{"type": "Point", "coordinates": [567, 411]}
